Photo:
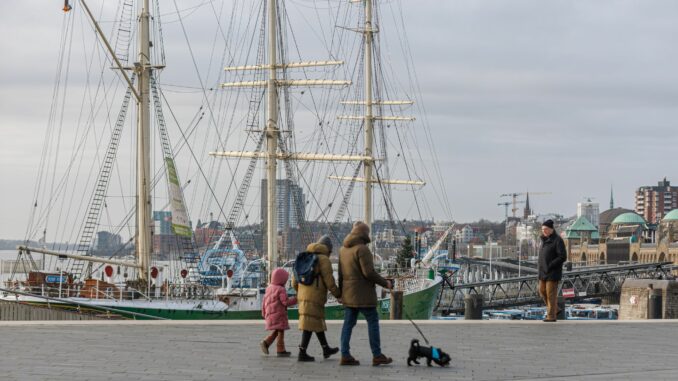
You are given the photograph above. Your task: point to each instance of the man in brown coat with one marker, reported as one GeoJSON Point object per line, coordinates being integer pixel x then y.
{"type": "Point", "coordinates": [312, 298]}
{"type": "Point", "coordinates": [357, 279]}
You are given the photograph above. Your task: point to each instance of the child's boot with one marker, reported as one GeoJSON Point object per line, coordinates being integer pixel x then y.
{"type": "Point", "coordinates": [264, 346]}
{"type": "Point", "coordinates": [280, 345]}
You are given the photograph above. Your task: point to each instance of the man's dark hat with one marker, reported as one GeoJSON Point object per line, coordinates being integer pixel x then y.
{"type": "Point", "coordinates": [548, 223]}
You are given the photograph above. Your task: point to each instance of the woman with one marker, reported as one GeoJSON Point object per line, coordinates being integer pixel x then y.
{"type": "Point", "coordinates": [312, 298]}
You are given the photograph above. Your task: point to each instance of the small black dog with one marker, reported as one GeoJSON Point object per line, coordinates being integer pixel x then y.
{"type": "Point", "coordinates": [431, 353]}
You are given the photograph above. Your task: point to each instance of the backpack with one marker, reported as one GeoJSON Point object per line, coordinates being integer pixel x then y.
{"type": "Point", "coordinates": [304, 268]}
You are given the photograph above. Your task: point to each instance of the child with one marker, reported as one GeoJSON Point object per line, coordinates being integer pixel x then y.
{"type": "Point", "coordinates": [274, 310]}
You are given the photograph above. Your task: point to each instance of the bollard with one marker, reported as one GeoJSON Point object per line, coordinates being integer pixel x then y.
{"type": "Point", "coordinates": [396, 305]}
{"type": "Point", "coordinates": [473, 307]}
{"type": "Point", "coordinates": [654, 304]}
{"type": "Point", "coordinates": [561, 309]}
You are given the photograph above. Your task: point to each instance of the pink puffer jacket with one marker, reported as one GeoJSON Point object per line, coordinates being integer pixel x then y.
{"type": "Point", "coordinates": [274, 308]}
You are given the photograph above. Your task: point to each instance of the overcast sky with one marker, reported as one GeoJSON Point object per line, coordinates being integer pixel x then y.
{"type": "Point", "coordinates": [568, 97]}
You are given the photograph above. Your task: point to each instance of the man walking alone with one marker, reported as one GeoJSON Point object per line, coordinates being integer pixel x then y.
{"type": "Point", "coordinates": [552, 255]}
{"type": "Point", "coordinates": [357, 280]}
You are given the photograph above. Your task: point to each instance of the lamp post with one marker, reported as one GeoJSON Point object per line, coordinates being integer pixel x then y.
{"type": "Point", "coordinates": [489, 245]}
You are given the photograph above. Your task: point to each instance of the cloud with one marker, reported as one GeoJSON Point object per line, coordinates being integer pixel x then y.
{"type": "Point", "coordinates": [559, 96]}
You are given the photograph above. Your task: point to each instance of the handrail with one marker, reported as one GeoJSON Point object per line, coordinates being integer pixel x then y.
{"type": "Point", "coordinates": [89, 305]}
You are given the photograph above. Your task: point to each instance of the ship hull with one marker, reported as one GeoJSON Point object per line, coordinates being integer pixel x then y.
{"type": "Point", "coordinates": [417, 305]}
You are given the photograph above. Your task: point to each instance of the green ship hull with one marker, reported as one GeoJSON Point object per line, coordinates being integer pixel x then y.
{"type": "Point", "coordinates": [416, 305]}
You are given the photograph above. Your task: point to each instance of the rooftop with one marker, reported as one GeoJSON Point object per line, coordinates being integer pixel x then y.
{"type": "Point", "coordinates": [630, 218]}
{"type": "Point", "coordinates": [671, 216]}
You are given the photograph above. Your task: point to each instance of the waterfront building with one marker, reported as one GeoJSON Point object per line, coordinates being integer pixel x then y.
{"type": "Point", "coordinates": [291, 203]}
{"type": "Point", "coordinates": [582, 230]}
{"type": "Point", "coordinates": [164, 239]}
{"type": "Point", "coordinates": [207, 233]}
{"type": "Point", "coordinates": [107, 243]}
{"type": "Point", "coordinates": [525, 232]}
{"type": "Point", "coordinates": [464, 235]}
{"type": "Point", "coordinates": [605, 220]}
{"type": "Point", "coordinates": [590, 210]}
{"type": "Point", "coordinates": [629, 226]}
{"type": "Point", "coordinates": [654, 202]}
{"type": "Point", "coordinates": [628, 239]}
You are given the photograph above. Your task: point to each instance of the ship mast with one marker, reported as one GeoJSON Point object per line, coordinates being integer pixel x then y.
{"type": "Point", "coordinates": [369, 121]}
{"type": "Point", "coordinates": [272, 130]}
{"type": "Point", "coordinates": [271, 142]}
{"type": "Point", "coordinates": [142, 96]}
{"type": "Point", "coordinates": [368, 117]}
{"type": "Point", "coordinates": [144, 244]}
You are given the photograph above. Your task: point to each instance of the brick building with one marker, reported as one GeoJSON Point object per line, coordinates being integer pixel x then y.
{"type": "Point", "coordinates": [654, 202]}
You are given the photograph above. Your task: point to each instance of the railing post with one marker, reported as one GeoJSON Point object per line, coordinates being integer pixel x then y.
{"type": "Point", "coordinates": [473, 307]}
{"type": "Point", "coordinates": [561, 309]}
{"type": "Point", "coordinates": [654, 304]}
{"type": "Point", "coordinates": [396, 305]}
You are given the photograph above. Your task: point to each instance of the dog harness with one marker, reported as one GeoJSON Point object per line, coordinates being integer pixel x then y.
{"type": "Point", "coordinates": [435, 354]}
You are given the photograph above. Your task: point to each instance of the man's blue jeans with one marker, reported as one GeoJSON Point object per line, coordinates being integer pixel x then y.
{"type": "Point", "coordinates": [350, 319]}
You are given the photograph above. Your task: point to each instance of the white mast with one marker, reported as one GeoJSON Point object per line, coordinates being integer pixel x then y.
{"type": "Point", "coordinates": [271, 142]}
{"type": "Point", "coordinates": [144, 244]}
{"type": "Point", "coordinates": [368, 116]}
{"type": "Point", "coordinates": [369, 133]}
{"type": "Point", "coordinates": [272, 131]}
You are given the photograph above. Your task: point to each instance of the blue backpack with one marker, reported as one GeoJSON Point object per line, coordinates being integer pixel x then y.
{"type": "Point", "coordinates": [304, 268]}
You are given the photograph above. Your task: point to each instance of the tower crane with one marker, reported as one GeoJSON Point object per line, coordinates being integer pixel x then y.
{"type": "Point", "coordinates": [506, 204]}
{"type": "Point", "coordinates": [514, 198]}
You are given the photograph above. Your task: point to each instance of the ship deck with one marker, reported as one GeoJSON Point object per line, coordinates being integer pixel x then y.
{"type": "Point", "coordinates": [229, 350]}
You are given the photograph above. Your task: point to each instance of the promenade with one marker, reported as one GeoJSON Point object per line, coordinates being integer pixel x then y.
{"type": "Point", "coordinates": [227, 350]}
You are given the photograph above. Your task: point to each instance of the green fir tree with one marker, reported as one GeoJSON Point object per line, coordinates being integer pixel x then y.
{"type": "Point", "coordinates": [405, 253]}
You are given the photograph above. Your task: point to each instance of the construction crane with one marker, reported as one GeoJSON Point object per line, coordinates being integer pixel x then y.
{"type": "Point", "coordinates": [514, 198]}
{"type": "Point", "coordinates": [506, 205]}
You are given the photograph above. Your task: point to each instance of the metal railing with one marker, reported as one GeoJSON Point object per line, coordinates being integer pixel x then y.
{"type": "Point", "coordinates": [76, 305]}
{"type": "Point", "coordinates": [513, 292]}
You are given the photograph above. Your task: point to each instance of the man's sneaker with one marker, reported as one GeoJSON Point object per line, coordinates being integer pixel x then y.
{"type": "Point", "coordinates": [381, 360]}
{"type": "Point", "coordinates": [348, 361]}
{"type": "Point", "coordinates": [264, 346]}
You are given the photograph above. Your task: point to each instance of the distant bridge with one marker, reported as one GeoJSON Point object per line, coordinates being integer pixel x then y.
{"type": "Point", "coordinates": [519, 291]}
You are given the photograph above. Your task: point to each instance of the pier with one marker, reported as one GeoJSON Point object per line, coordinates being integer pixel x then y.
{"type": "Point", "coordinates": [229, 350]}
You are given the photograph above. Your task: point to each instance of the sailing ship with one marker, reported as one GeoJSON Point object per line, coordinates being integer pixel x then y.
{"type": "Point", "coordinates": [223, 283]}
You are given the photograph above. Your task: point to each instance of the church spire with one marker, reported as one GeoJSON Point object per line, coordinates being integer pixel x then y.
{"type": "Point", "coordinates": [611, 198]}
{"type": "Point", "coordinates": [527, 211]}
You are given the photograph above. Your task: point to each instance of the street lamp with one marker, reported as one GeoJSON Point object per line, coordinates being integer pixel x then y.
{"type": "Point", "coordinates": [489, 245]}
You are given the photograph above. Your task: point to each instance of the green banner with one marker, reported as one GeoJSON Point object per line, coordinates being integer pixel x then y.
{"type": "Point", "coordinates": [180, 223]}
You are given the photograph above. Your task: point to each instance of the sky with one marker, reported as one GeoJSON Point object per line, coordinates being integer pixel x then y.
{"type": "Point", "coordinates": [567, 97]}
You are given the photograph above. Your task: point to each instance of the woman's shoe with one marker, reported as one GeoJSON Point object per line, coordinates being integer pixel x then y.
{"type": "Point", "coordinates": [264, 346]}
{"type": "Point", "coordinates": [329, 351]}
{"type": "Point", "coordinates": [283, 354]}
{"type": "Point", "coordinates": [304, 357]}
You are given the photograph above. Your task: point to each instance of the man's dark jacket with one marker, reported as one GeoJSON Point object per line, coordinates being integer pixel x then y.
{"type": "Point", "coordinates": [552, 255]}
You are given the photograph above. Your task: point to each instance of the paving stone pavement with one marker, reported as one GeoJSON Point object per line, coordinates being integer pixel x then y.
{"type": "Point", "coordinates": [228, 350]}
